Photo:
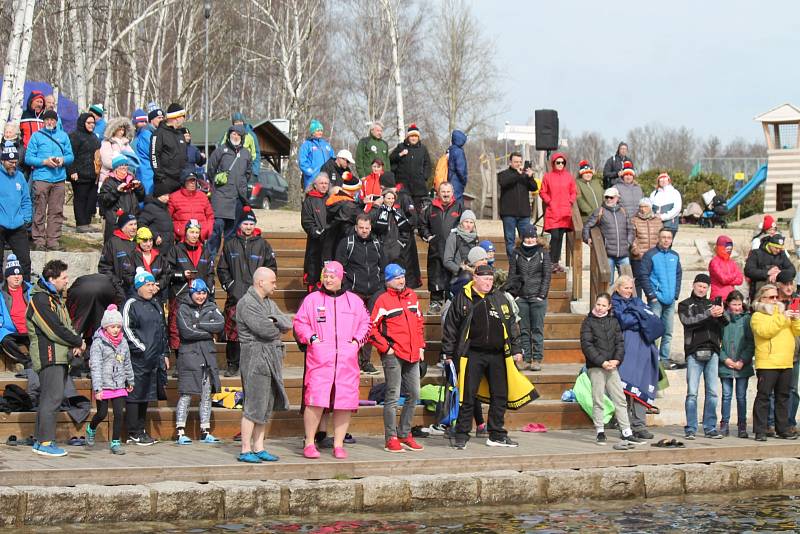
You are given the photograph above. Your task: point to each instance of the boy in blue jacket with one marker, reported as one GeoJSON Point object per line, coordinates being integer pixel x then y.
{"type": "Point", "coordinates": [16, 211]}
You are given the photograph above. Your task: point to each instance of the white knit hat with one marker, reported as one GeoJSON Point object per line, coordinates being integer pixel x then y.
{"type": "Point", "coordinates": [111, 316]}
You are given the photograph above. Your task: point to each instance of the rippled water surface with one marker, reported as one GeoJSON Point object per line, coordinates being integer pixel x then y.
{"type": "Point", "coordinates": [711, 514]}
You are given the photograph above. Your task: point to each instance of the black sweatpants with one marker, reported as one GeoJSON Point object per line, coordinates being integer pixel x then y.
{"type": "Point", "coordinates": [778, 381]}
{"type": "Point", "coordinates": [84, 202]}
{"type": "Point", "coordinates": [17, 240]}
{"type": "Point", "coordinates": [493, 366]}
{"type": "Point", "coordinates": [51, 393]}
{"type": "Point", "coordinates": [118, 405]}
{"type": "Point", "coordinates": [556, 242]}
{"type": "Point", "coordinates": [135, 417]}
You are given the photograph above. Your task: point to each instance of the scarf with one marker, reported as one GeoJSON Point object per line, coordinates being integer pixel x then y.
{"type": "Point", "coordinates": [114, 340]}
{"type": "Point", "coordinates": [599, 316]}
{"type": "Point", "coordinates": [469, 237]}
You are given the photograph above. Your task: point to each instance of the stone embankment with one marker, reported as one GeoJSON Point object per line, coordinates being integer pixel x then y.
{"type": "Point", "coordinates": [170, 501]}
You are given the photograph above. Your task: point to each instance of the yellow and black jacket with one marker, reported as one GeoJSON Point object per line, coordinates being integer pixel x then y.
{"type": "Point", "coordinates": [49, 327]}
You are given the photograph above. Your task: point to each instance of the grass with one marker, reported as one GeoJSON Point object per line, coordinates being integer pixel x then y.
{"type": "Point", "coordinates": [76, 244]}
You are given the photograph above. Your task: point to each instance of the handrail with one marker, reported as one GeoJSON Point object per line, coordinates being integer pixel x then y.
{"type": "Point", "coordinates": [575, 253]}
{"type": "Point", "coordinates": [599, 271]}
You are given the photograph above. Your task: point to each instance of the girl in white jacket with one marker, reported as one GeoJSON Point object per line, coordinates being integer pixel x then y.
{"type": "Point", "coordinates": [667, 203]}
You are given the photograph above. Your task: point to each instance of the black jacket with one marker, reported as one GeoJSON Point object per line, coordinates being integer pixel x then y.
{"type": "Point", "coordinates": [236, 162]}
{"type": "Point", "coordinates": [241, 256]}
{"type": "Point", "coordinates": [413, 169]}
{"type": "Point", "coordinates": [334, 172]}
{"type": "Point", "coordinates": [601, 340]}
{"type": "Point", "coordinates": [514, 191]}
{"type": "Point", "coordinates": [146, 332]}
{"type": "Point", "coordinates": [701, 331]}
{"type": "Point", "coordinates": [341, 215]}
{"type": "Point", "coordinates": [314, 220]}
{"type": "Point", "coordinates": [84, 145]}
{"type": "Point", "coordinates": [363, 263]}
{"type": "Point", "coordinates": [760, 261]}
{"type": "Point", "coordinates": [611, 169]}
{"type": "Point", "coordinates": [111, 199]}
{"type": "Point", "coordinates": [179, 261]}
{"type": "Point", "coordinates": [168, 156]}
{"type": "Point", "coordinates": [438, 221]}
{"type": "Point", "coordinates": [159, 268]}
{"type": "Point", "coordinates": [155, 216]}
{"type": "Point", "coordinates": [395, 229]}
{"type": "Point", "coordinates": [196, 327]}
{"type": "Point", "coordinates": [533, 266]}
{"type": "Point", "coordinates": [116, 262]}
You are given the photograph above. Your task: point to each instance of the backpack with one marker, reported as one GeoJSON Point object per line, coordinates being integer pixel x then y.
{"type": "Point", "coordinates": [351, 244]}
{"type": "Point", "coordinates": [17, 399]}
{"type": "Point", "coordinates": [440, 174]}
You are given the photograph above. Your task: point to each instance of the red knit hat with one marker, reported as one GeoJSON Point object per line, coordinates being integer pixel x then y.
{"type": "Point", "coordinates": [627, 168]}
{"type": "Point", "coordinates": [585, 167]}
{"type": "Point", "coordinates": [412, 130]}
{"type": "Point", "coordinates": [768, 222]}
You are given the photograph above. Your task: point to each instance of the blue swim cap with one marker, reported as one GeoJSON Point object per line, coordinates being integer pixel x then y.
{"type": "Point", "coordinates": [393, 271]}
{"type": "Point", "coordinates": [198, 286]}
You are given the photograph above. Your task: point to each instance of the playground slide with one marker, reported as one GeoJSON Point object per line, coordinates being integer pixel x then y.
{"type": "Point", "coordinates": [756, 180]}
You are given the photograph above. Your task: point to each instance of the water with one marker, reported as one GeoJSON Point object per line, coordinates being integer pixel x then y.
{"type": "Point", "coordinates": [741, 513]}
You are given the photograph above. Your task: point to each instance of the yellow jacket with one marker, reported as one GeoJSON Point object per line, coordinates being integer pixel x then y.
{"type": "Point", "coordinates": [774, 336]}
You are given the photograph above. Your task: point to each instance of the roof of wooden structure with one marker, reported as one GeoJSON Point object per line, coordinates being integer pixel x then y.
{"type": "Point", "coordinates": [785, 113]}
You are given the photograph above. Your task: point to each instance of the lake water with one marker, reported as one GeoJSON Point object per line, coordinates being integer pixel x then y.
{"type": "Point", "coordinates": [740, 513]}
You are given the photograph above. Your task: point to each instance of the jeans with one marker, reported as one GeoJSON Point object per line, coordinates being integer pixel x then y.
{"type": "Point", "coordinates": [531, 314]}
{"type": "Point", "coordinates": [667, 315]}
{"type": "Point", "coordinates": [617, 263]}
{"type": "Point", "coordinates": [226, 227]}
{"type": "Point", "coordinates": [710, 372]}
{"type": "Point", "coordinates": [52, 380]}
{"type": "Point", "coordinates": [398, 373]}
{"type": "Point", "coordinates": [608, 383]}
{"type": "Point", "coordinates": [510, 224]}
{"type": "Point", "coordinates": [493, 366]}
{"type": "Point", "coordinates": [741, 400]}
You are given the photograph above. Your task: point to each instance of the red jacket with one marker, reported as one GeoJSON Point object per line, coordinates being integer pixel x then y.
{"type": "Point", "coordinates": [397, 323]}
{"type": "Point", "coordinates": [370, 185]}
{"type": "Point", "coordinates": [725, 273]}
{"type": "Point", "coordinates": [558, 192]}
{"type": "Point", "coordinates": [184, 205]}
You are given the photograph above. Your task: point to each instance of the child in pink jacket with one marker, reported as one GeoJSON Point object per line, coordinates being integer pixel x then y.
{"type": "Point", "coordinates": [725, 273]}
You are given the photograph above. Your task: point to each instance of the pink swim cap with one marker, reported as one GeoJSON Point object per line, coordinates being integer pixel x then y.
{"type": "Point", "coordinates": [335, 268]}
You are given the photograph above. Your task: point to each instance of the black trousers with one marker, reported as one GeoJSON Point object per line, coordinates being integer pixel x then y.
{"type": "Point", "coordinates": [52, 380]}
{"type": "Point", "coordinates": [84, 202]}
{"type": "Point", "coordinates": [16, 347]}
{"type": "Point", "coordinates": [135, 417]}
{"type": "Point", "coordinates": [118, 405]}
{"type": "Point", "coordinates": [365, 352]}
{"type": "Point", "coordinates": [492, 365]}
{"type": "Point", "coordinates": [233, 351]}
{"type": "Point", "coordinates": [17, 239]}
{"type": "Point", "coordinates": [779, 382]}
{"type": "Point", "coordinates": [556, 242]}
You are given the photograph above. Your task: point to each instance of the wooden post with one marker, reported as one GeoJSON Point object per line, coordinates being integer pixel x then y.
{"type": "Point", "coordinates": [493, 184]}
{"type": "Point", "coordinates": [575, 251]}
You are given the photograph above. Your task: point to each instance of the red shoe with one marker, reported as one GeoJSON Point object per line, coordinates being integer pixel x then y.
{"type": "Point", "coordinates": [409, 443]}
{"type": "Point", "coordinates": [393, 445]}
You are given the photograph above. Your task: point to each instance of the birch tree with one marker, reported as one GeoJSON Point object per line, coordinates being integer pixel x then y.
{"type": "Point", "coordinates": [16, 65]}
{"type": "Point", "coordinates": [391, 19]}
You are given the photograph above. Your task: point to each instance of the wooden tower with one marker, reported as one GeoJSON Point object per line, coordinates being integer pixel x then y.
{"type": "Point", "coordinates": [782, 132]}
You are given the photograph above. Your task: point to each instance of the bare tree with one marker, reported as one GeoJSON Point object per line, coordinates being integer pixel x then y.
{"type": "Point", "coordinates": [15, 68]}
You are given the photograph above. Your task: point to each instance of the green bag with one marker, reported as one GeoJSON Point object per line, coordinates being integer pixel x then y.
{"type": "Point", "coordinates": [583, 394]}
{"type": "Point", "coordinates": [221, 178]}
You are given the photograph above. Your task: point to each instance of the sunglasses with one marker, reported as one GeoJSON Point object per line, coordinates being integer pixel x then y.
{"type": "Point", "coordinates": [561, 162]}
{"type": "Point", "coordinates": [610, 197]}
{"type": "Point", "coordinates": [771, 297]}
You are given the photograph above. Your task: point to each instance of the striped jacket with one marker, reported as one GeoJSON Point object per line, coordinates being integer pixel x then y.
{"type": "Point", "coordinates": [49, 327]}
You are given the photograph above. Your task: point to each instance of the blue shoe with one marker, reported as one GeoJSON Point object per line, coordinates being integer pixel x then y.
{"type": "Point", "coordinates": [210, 439]}
{"type": "Point", "coordinates": [90, 436]}
{"type": "Point", "coordinates": [183, 439]}
{"type": "Point", "coordinates": [267, 457]}
{"type": "Point", "coordinates": [249, 458]}
{"type": "Point", "coordinates": [116, 447]}
{"type": "Point", "coordinates": [50, 450]}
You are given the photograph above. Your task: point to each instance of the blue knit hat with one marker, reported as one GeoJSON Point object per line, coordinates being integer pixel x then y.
{"type": "Point", "coordinates": [315, 126]}
{"type": "Point", "coordinates": [142, 277]}
{"type": "Point", "coordinates": [119, 160]}
{"type": "Point", "coordinates": [393, 271]}
{"type": "Point", "coordinates": [12, 266]}
{"type": "Point", "coordinates": [139, 117]}
{"type": "Point", "coordinates": [487, 245]}
{"type": "Point", "coordinates": [198, 286]}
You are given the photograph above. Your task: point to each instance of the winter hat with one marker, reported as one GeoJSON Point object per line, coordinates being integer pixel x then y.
{"type": "Point", "coordinates": [50, 114]}
{"type": "Point", "coordinates": [627, 168]}
{"type": "Point", "coordinates": [663, 175]}
{"type": "Point", "coordinates": [467, 215]}
{"type": "Point", "coordinates": [139, 117]}
{"type": "Point", "coordinates": [350, 183]}
{"type": "Point", "coordinates": [476, 254]}
{"type": "Point", "coordinates": [528, 231]}
{"type": "Point", "coordinates": [198, 286]}
{"type": "Point", "coordinates": [97, 109]}
{"type": "Point", "coordinates": [387, 179]}
{"type": "Point", "coordinates": [484, 270]}
{"type": "Point", "coordinates": [248, 215]}
{"type": "Point", "coordinates": [12, 266]}
{"type": "Point", "coordinates": [412, 130]}
{"type": "Point", "coordinates": [154, 114]}
{"type": "Point", "coordinates": [393, 271]}
{"type": "Point", "coordinates": [611, 192]}
{"type": "Point", "coordinates": [118, 161]}
{"type": "Point", "coordinates": [111, 316]}
{"type": "Point", "coordinates": [142, 277]}
{"type": "Point", "coordinates": [10, 152]}
{"type": "Point", "coordinates": [487, 245]}
{"type": "Point", "coordinates": [768, 222]}
{"type": "Point", "coordinates": [346, 154]}
{"type": "Point", "coordinates": [124, 218]}
{"type": "Point", "coordinates": [335, 268]}
{"type": "Point", "coordinates": [775, 244]}
{"type": "Point", "coordinates": [785, 277]}
{"type": "Point", "coordinates": [702, 277]}
{"type": "Point", "coordinates": [645, 201]}
{"type": "Point", "coordinates": [238, 128]}
{"type": "Point", "coordinates": [192, 223]}
{"type": "Point", "coordinates": [143, 234]}
{"type": "Point", "coordinates": [175, 110]}
{"type": "Point", "coordinates": [724, 241]}
{"type": "Point", "coordinates": [585, 167]}
{"type": "Point", "coordinates": [186, 175]}
{"type": "Point", "coordinates": [315, 126]}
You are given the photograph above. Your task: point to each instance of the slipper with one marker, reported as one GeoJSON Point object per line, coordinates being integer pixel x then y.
{"type": "Point", "coordinates": [12, 440]}
{"type": "Point", "coordinates": [75, 441]}
{"type": "Point", "coordinates": [662, 443]}
{"type": "Point", "coordinates": [534, 427]}
{"type": "Point", "coordinates": [675, 444]}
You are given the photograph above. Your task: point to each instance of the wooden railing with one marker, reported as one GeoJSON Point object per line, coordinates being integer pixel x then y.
{"type": "Point", "coordinates": [574, 254]}
{"type": "Point", "coordinates": [599, 272]}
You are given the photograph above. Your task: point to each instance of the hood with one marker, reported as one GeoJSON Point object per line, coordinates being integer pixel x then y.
{"type": "Point", "coordinates": [769, 308]}
{"type": "Point", "coordinates": [43, 286]}
{"type": "Point", "coordinates": [238, 116]}
{"type": "Point", "coordinates": [458, 138]}
{"type": "Point", "coordinates": [553, 159]}
{"type": "Point", "coordinates": [115, 124]}
{"type": "Point", "coordinates": [81, 124]}
{"type": "Point", "coordinates": [238, 129]}
{"type": "Point", "coordinates": [316, 194]}
{"type": "Point", "coordinates": [620, 145]}
{"type": "Point", "coordinates": [721, 240]}
{"type": "Point", "coordinates": [31, 97]}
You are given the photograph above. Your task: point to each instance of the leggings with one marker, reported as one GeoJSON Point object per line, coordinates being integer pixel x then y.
{"type": "Point", "coordinates": [118, 405]}
{"type": "Point", "coordinates": [182, 410]}
{"type": "Point", "coordinates": [556, 241]}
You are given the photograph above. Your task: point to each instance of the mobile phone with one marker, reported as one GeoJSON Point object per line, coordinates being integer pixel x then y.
{"type": "Point", "coordinates": [795, 305]}
{"type": "Point", "coordinates": [718, 301]}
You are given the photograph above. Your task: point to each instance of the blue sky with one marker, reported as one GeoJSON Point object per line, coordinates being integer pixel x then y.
{"type": "Point", "coordinates": [609, 66]}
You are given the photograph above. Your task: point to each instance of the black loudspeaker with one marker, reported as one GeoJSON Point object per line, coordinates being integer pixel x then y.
{"type": "Point", "coordinates": [546, 129]}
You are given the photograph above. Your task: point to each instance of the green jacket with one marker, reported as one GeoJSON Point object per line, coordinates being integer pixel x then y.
{"type": "Point", "coordinates": [590, 196]}
{"type": "Point", "coordinates": [49, 327]}
{"type": "Point", "coordinates": [367, 150]}
{"type": "Point", "coordinates": [737, 344]}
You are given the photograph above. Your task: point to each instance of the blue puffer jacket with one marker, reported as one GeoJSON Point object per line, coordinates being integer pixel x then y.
{"type": "Point", "coordinates": [312, 156]}
{"type": "Point", "coordinates": [15, 200]}
{"type": "Point", "coordinates": [45, 144]}
{"type": "Point", "coordinates": [457, 163]}
{"type": "Point", "coordinates": [660, 275]}
{"type": "Point", "coordinates": [144, 172]}
{"type": "Point", "coordinates": [7, 326]}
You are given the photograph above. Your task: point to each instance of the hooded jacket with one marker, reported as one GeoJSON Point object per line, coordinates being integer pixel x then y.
{"type": "Point", "coordinates": [144, 172]}
{"type": "Point", "coordinates": [414, 169]}
{"type": "Point", "coordinates": [16, 209]}
{"type": "Point", "coordinates": [611, 169]}
{"type": "Point", "coordinates": [114, 146]}
{"type": "Point", "coordinates": [533, 266]}
{"type": "Point", "coordinates": [185, 205]}
{"type": "Point", "coordinates": [236, 162]}
{"type": "Point", "coordinates": [759, 263]}
{"type": "Point", "coordinates": [457, 163]}
{"type": "Point", "coordinates": [667, 205]}
{"type": "Point", "coordinates": [589, 197]}
{"type": "Point", "coordinates": [456, 250]}
{"type": "Point", "coordinates": [515, 188]}
{"type": "Point", "coordinates": [660, 275]}
{"type": "Point", "coordinates": [629, 197]}
{"type": "Point", "coordinates": [168, 155]}
{"type": "Point", "coordinates": [241, 256]}
{"type": "Point", "coordinates": [46, 144]}
{"type": "Point", "coordinates": [249, 141]}
{"type": "Point", "coordinates": [311, 157]}
{"type": "Point", "coordinates": [558, 192]}
{"type": "Point", "coordinates": [84, 144]}
{"type": "Point", "coordinates": [738, 345]}
{"type": "Point", "coordinates": [111, 366]}
{"type": "Point", "coordinates": [601, 340]}
{"type": "Point", "coordinates": [725, 273]}
{"type": "Point", "coordinates": [363, 263]}
{"type": "Point", "coordinates": [645, 234]}
{"type": "Point", "coordinates": [701, 331]}
{"type": "Point", "coordinates": [368, 149]}
{"type": "Point", "coordinates": [146, 332]}
{"type": "Point", "coordinates": [617, 232]}
{"type": "Point", "coordinates": [774, 336]}
{"type": "Point", "coordinates": [116, 262]}
{"type": "Point", "coordinates": [49, 327]}
{"type": "Point", "coordinates": [196, 327]}
{"type": "Point", "coordinates": [155, 216]}
{"type": "Point", "coordinates": [7, 325]}
{"type": "Point", "coordinates": [314, 220]}
{"type": "Point", "coordinates": [30, 122]}
{"type": "Point", "coordinates": [397, 324]}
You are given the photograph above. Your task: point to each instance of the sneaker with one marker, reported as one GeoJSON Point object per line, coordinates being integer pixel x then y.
{"type": "Point", "coordinates": [208, 438]}
{"type": "Point", "coordinates": [458, 443]}
{"type": "Point", "coordinates": [249, 458]}
{"type": "Point", "coordinates": [90, 436]}
{"type": "Point", "coordinates": [49, 450]}
{"type": "Point", "coordinates": [310, 452]}
{"type": "Point", "coordinates": [481, 432]}
{"type": "Point", "coordinates": [369, 369]}
{"type": "Point", "coordinates": [714, 435]}
{"type": "Point", "coordinates": [644, 435]}
{"type": "Point", "coordinates": [536, 365]}
{"type": "Point", "coordinates": [771, 432]}
{"type": "Point", "coordinates": [601, 438]}
{"type": "Point", "coordinates": [633, 439]}
{"type": "Point", "coordinates": [724, 429]}
{"type": "Point", "coordinates": [437, 430]}
{"type": "Point", "coordinates": [505, 441]}
{"type": "Point", "coordinates": [788, 435]}
{"type": "Point", "coordinates": [393, 445]}
{"type": "Point", "coordinates": [267, 457]}
{"type": "Point", "coordinates": [761, 437]}
{"type": "Point", "coordinates": [349, 439]}
{"type": "Point", "coordinates": [689, 435]}
{"type": "Point", "coordinates": [141, 439]}
{"type": "Point", "coordinates": [232, 370]}
{"type": "Point", "coordinates": [116, 447]}
{"type": "Point", "coordinates": [183, 439]}
{"type": "Point", "coordinates": [339, 453]}
{"type": "Point", "coordinates": [409, 443]}
{"type": "Point", "coordinates": [743, 434]}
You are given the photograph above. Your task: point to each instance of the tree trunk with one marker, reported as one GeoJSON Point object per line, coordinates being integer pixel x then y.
{"type": "Point", "coordinates": [22, 63]}
{"type": "Point", "coordinates": [11, 66]}
{"type": "Point", "coordinates": [398, 84]}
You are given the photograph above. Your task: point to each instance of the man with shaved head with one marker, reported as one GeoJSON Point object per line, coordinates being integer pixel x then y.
{"type": "Point", "coordinates": [260, 324]}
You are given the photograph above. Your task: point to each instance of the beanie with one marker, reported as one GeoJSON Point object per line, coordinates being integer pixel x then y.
{"type": "Point", "coordinates": [198, 286]}
{"type": "Point", "coordinates": [476, 254]}
{"type": "Point", "coordinates": [192, 223]}
{"type": "Point", "coordinates": [393, 271]}
{"type": "Point", "coordinates": [528, 231]}
{"type": "Point", "coordinates": [785, 277]}
{"type": "Point", "coordinates": [143, 234]}
{"type": "Point", "coordinates": [768, 222]}
{"type": "Point", "coordinates": [645, 201]}
{"type": "Point", "coordinates": [175, 110]}
{"type": "Point", "coordinates": [124, 218]}
{"type": "Point", "coordinates": [584, 167]}
{"type": "Point", "coordinates": [111, 316]}
{"type": "Point", "coordinates": [142, 277]}
{"type": "Point", "coordinates": [487, 245]}
{"type": "Point", "coordinates": [153, 114]}
{"type": "Point", "coordinates": [139, 117]}
{"type": "Point", "coordinates": [50, 114]}
{"type": "Point", "coordinates": [702, 277]}
{"type": "Point", "coordinates": [248, 215]}
{"type": "Point", "coordinates": [467, 215]}
{"type": "Point", "coordinates": [118, 161]}
{"type": "Point", "coordinates": [349, 182]}
{"type": "Point", "coordinates": [627, 168]}
{"type": "Point", "coordinates": [484, 270]}
{"type": "Point", "coordinates": [12, 266]}
{"type": "Point", "coordinates": [10, 152]}
{"type": "Point", "coordinates": [97, 109]}
{"type": "Point", "coordinates": [412, 130]}
{"type": "Point", "coordinates": [315, 126]}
